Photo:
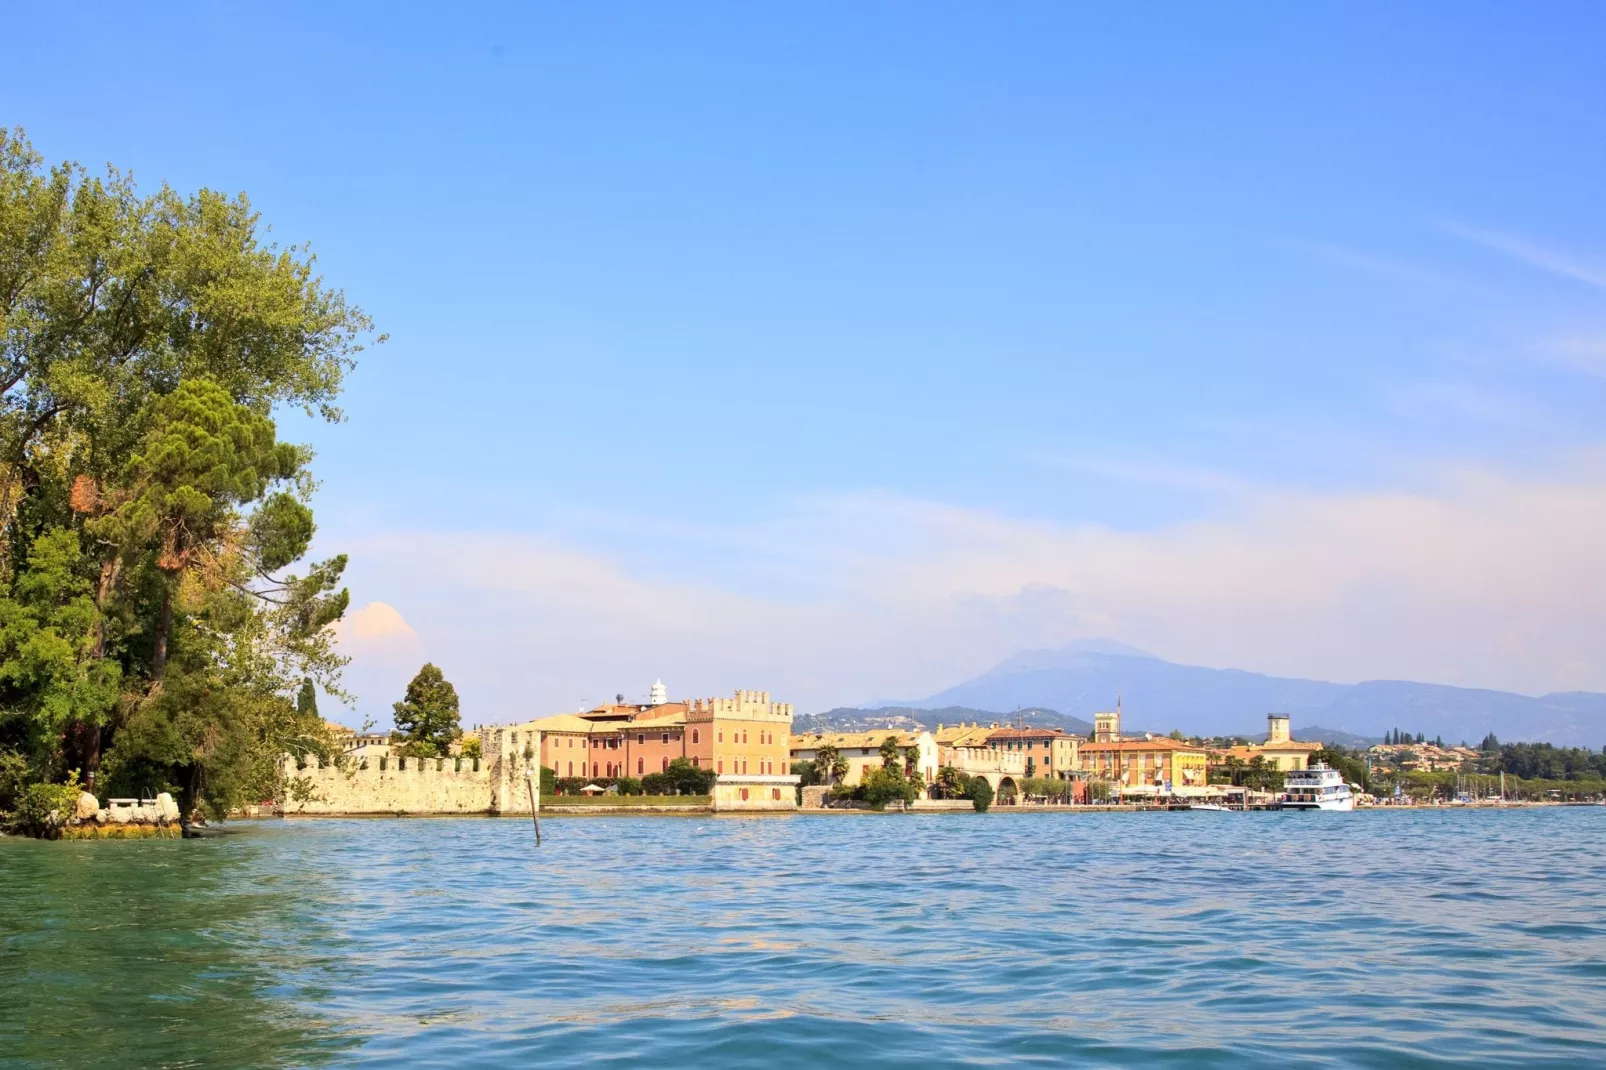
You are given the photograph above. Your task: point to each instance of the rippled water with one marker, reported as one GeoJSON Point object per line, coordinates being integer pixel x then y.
{"type": "Point", "coordinates": [1371, 939]}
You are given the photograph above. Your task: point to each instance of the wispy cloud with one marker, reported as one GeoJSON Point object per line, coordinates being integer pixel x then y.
{"type": "Point", "coordinates": [1385, 267]}
{"type": "Point", "coordinates": [1149, 473]}
{"type": "Point", "coordinates": [1587, 355]}
{"type": "Point", "coordinates": [1555, 261]}
{"type": "Point", "coordinates": [1489, 581]}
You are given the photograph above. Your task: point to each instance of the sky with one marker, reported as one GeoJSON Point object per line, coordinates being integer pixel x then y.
{"type": "Point", "coordinates": [842, 350]}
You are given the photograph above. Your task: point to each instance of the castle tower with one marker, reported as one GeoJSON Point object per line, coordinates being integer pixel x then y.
{"type": "Point", "coordinates": [658, 695]}
{"type": "Point", "coordinates": [1107, 725]}
{"type": "Point", "coordinates": [1277, 728]}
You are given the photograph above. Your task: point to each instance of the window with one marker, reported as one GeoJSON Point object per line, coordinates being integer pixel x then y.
{"type": "Point", "coordinates": [744, 795]}
{"type": "Point", "coordinates": [571, 769]}
{"type": "Point", "coordinates": [593, 768]}
{"type": "Point", "coordinates": [744, 735]}
{"type": "Point", "coordinates": [694, 735]}
{"type": "Point", "coordinates": [696, 761]}
{"type": "Point", "coordinates": [666, 737]}
{"type": "Point", "coordinates": [641, 766]}
{"type": "Point", "coordinates": [665, 768]}
{"type": "Point", "coordinates": [721, 767]}
{"type": "Point", "coordinates": [775, 793]}
{"type": "Point", "coordinates": [720, 737]}
{"type": "Point", "coordinates": [641, 737]}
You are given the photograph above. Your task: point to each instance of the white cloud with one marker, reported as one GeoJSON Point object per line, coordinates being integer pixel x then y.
{"type": "Point", "coordinates": [385, 651]}
{"type": "Point", "coordinates": [1532, 254]}
{"type": "Point", "coordinates": [1487, 581]}
{"type": "Point", "coordinates": [376, 624]}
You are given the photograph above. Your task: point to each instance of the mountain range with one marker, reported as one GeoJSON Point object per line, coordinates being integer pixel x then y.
{"type": "Point", "coordinates": [1066, 686]}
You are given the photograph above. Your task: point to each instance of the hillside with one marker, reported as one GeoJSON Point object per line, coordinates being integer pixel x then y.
{"type": "Point", "coordinates": [1159, 695]}
{"type": "Point", "coordinates": [855, 719]}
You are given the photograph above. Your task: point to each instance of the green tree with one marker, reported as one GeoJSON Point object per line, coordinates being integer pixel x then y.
{"type": "Point", "coordinates": [886, 785]}
{"type": "Point", "coordinates": [148, 510]}
{"type": "Point", "coordinates": [831, 765]}
{"type": "Point", "coordinates": [981, 794]}
{"type": "Point", "coordinates": [427, 718]}
{"type": "Point", "coordinates": [808, 774]}
{"type": "Point", "coordinates": [690, 779]}
{"type": "Point", "coordinates": [307, 698]}
{"type": "Point", "coordinates": [891, 753]}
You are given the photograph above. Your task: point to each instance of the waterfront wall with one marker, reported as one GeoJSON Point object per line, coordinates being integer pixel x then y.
{"type": "Point", "coordinates": [403, 786]}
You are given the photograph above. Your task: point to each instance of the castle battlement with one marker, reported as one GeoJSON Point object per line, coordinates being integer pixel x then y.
{"type": "Point", "coordinates": [745, 706]}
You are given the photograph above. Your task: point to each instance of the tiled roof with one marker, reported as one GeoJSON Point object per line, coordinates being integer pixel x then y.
{"type": "Point", "coordinates": [851, 740]}
{"type": "Point", "coordinates": [959, 735]}
{"type": "Point", "coordinates": [1028, 732]}
{"type": "Point", "coordinates": [1136, 745]}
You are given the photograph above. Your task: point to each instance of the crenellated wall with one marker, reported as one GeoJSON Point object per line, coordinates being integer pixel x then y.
{"type": "Point", "coordinates": [402, 786]}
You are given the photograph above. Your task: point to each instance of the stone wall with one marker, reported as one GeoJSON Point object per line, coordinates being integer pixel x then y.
{"type": "Point", "coordinates": [403, 786]}
{"type": "Point", "coordinates": [755, 793]}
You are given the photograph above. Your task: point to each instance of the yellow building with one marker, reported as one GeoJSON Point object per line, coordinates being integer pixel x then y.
{"type": "Point", "coordinates": [1151, 765]}
{"type": "Point", "coordinates": [1049, 752]}
{"type": "Point", "coordinates": [1281, 751]}
{"type": "Point", "coordinates": [862, 750]}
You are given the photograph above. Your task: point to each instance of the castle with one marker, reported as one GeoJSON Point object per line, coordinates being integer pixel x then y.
{"type": "Point", "coordinates": [745, 740]}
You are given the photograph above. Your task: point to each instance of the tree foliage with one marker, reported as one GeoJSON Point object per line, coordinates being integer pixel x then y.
{"type": "Point", "coordinates": [427, 717]}
{"type": "Point", "coordinates": [152, 635]}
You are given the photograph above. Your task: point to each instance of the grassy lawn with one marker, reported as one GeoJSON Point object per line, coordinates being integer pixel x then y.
{"type": "Point", "coordinates": [624, 800]}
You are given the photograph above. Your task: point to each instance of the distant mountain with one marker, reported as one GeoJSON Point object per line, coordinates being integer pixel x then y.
{"type": "Point", "coordinates": [906, 718]}
{"type": "Point", "coordinates": [1159, 695]}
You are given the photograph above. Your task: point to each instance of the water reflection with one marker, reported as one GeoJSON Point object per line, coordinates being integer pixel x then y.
{"type": "Point", "coordinates": [164, 953]}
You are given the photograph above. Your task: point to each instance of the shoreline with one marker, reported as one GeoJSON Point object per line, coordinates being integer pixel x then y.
{"type": "Point", "coordinates": [705, 810]}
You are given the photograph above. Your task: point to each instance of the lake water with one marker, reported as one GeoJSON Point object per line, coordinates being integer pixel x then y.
{"type": "Point", "coordinates": [1369, 939]}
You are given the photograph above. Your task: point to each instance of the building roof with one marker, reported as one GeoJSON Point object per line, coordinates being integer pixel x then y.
{"type": "Point", "coordinates": [1028, 732]}
{"type": "Point", "coordinates": [1137, 745]}
{"type": "Point", "coordinates": [571, 724]}
{"type": "Point", "coordinates": [1262, 750]}
{"type": "Point", "coordinates": [962, 735]}
{"type": "Point", "coordinates": [852, 740]}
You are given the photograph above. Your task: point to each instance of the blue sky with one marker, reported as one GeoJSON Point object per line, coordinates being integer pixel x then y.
{"type": "Point", "coordinates": [845, 349]}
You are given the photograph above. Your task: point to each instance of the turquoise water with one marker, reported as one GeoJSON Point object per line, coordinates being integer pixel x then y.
{"type": "Point", "coordinates": [1242, 940]}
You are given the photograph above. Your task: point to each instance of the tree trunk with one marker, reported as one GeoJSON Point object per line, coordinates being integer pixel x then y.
{"type": "Point", "coordinates": [87, 739]}
{"type": "Point", "coordinates": [164, 625]}
{"type": "Point", "coordinates": [108, 579]}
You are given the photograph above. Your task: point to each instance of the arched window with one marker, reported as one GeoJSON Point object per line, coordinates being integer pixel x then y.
{"type": "Point", "coordinates": [665, 768]}
{"type": "Point", "coordinates": [571, 769]}
{"type": "Point", "coordinates": [696, 761]}
{"type": "Point", "coordinates": [593, 768]}
{"type": "Point", "coordinates": [694, 735]}
{"type": "Point", "coordinates": [640, 766]}
{"type": "Point", "coordinates": [721, 766]}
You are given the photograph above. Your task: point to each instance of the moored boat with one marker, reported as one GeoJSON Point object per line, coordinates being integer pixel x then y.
{"type": "Point", "coordinates": [1320, 787]}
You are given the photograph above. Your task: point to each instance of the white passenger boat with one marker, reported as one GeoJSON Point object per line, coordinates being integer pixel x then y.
{"type": "Point", "coordinates": [1320, 787]}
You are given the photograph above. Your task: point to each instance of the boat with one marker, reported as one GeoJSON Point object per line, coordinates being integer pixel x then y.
{"type": "Point", "coordinates": [1209, 806]}
{"type": "Point", "coordinates": [1320, 787]}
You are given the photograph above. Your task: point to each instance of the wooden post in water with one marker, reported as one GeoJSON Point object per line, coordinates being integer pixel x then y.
{"type": "Point", "coordinates": [535, 815]}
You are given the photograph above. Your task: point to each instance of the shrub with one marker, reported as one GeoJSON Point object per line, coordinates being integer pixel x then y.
{"type": "Point", "coordinates": [886, 785]}
{"type": "Point", "coordinates": [13, 779]}
{"type": "Point", "coordinates": [42, 809]}
{"type": "Point", "coordinates": [657, 784]}
{"type": "Point", "coordinates": [628, 785]}
{"type": "Point", "coordinates": [981, 794]}
{"type": "Point", "coordinates": [690, 779]}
